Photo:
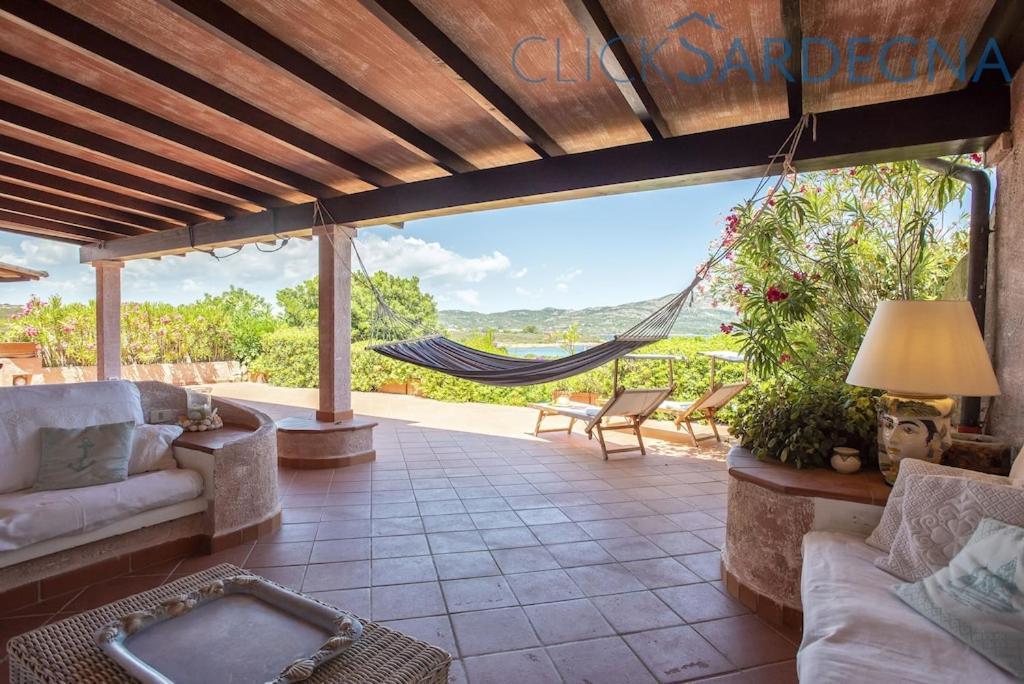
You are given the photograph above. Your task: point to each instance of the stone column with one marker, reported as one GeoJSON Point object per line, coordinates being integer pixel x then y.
{"type": "Point", "coordinates": [335, 256]}
{"type": "Point", "coordinates": [108, 319]}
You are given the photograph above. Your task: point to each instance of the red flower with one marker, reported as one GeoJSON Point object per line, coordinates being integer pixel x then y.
{"type": "Point", "coordinates": [799, 276]}
{"type": "Point", "coordinates": [773, 294]}
{"type": "Point", "coordinates": [742, 290]}
{"type": "Point", "coordinates": [726, 328]}
{"type": "Point", "coordinates": [771, 203]}
{"type": "Point", "coordinates": [785, 358]}
{"type": "Point", "coordinates": [977, 158]}
{"type": "Point", "coordinates": [853, 172]}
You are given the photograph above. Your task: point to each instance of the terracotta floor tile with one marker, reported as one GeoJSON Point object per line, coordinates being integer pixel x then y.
{"type": "Point", "coordinates": [454, 542]}
{"type": "Point", "coordinates": [436, 630]}
{"type": "Point", "coordinates": [526, 559]}
{"type": "Point", "coordinates": [747, 641]}
{"type": "Point", "coordinates": [631, 548]}
{"type": "Point", "coordinates": [543, 587]}
{"type": "Point", "coordinates": [343, 529]}
{"type": "Point", "coordinates": [680, 543]}
{"type": "Point", "coordinates": [402, 570]}
{"type": "Point", "coordinates": [448, 523]}
{"type": "Point", "coordinates": [290, 576]}
{"type": "Point", "coordinates": [508, 538]}
{"type": "Point", "coordinates": [401, 601]}
{"type": "Point", "coordinates": [635, 612]}
{"type": "Point", "coordinates": [346, 575]}
{"type": "Point", "coordinates": [298, 532]}
{"type": "Point", "coordinates": [542, 516]}
{"type": "Point", "coordinates": [598, 580]}
{"type": "Point", "coordinates": [394, 547]}
{"type": "Point", "coordinates": [656, 573]}
{"type": "Point", "coordinates": [652, 525]}
{"type": "Point", "coordinates": [564, 621]}
{"type": "Point", "coordinates": [714, 536]}
{"type": "Point", "coordinates": [465, 565]}
{"type": "Point", "coordinates": [496, 519]}
{"type": "Point", "coordinates": [607, 529]}
{"type": "Point", "coordinates": [694, 520]}
{"type": "Point", "coordinates": [708, 565]}
{"type": "Point", "coordinates": [779, 673]}
{"type": "Point", "coordinates": [700, 602]}
{"type": "Point", "coordinates": [579, 553]}
{"type": "Point", "coordinates": [271, 555]}
{"type": "Point", "coordinates": [336, 550]}
{"type": "Point", "coordinates": [390, 527]}
{"type": "Point", "coordinates": [355, 601]}
{"type": "Point", "coordinates": [329, 513]}
{"type": "Point", "coordinates": [477, 593]}
{"type": "Point", "coordinates": [493, 631]}
{"type": "Point", "coordinates": [448, 507]}
{"type": "Point", "coordinates": [599, 661]}
{"type": "Point", "coordinates": [559, 533]}
{"type": "Point", "coordinates": [531, 666]}
{"type": "Point", "coordinates": [676, 654]}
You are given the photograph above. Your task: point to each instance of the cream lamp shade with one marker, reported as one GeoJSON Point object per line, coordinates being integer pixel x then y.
{"type": "Point", "coordinates": [924, 349]}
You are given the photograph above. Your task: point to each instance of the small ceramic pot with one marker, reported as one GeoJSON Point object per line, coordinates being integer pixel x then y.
{"type": "Point", "coordinates": [846, 460]}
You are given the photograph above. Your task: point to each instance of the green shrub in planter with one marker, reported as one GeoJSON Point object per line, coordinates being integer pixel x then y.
{"type": "Point", "coordinates": [290, 358]}
{"type": "Point", "coordinates": [799, 423]}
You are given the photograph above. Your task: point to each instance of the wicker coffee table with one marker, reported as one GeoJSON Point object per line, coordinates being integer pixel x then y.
{"type": "Point", "coordinates": [65, 651]}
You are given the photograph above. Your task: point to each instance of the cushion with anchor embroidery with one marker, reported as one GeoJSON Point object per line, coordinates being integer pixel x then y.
{"type": "Point", "coordinates": [82, 457]}
{"type": "Point", "coordinates": [978, 597]}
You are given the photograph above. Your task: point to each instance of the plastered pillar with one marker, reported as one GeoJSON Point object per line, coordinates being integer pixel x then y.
{"type": "Point", "coordinates": [335, 322]}
{"type": "Point", "coordinates": [108, 319]}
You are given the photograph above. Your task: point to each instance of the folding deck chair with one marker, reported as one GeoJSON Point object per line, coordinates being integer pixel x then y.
{"type": "Point", "coordinates": [709, 403]}
{"type": "Point", "coordinates": [634, 406]}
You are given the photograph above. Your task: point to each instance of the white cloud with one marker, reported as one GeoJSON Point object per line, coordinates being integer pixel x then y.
{"type": "Point", "coordinates": [468, 297]}
{"type": "Point", "coordinates": [519, 274]}
{"type": "Point", "coordinates": [569, 276]}
{"type": "Point", "coordinates": [523, 292]}
{"type": "Point", "coordinates": [38, 254]}
{"type": "Point", "coordinates": [408, 256]}
{"type": "Point", "coordinates": [562, 287]}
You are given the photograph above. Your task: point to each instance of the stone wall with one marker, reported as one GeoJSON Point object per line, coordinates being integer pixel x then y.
{"type": "Point", "coordinates": [1005, 320]}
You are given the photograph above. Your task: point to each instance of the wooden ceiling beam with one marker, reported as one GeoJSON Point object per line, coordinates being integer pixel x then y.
{"type": "Point", "coordinates": [1005, 23]}
{"type": "Point", "coordinates": [221, 18]}
{"type": "Point", "coordinates": [27, 231]}
{"type": "Point", "coordinates": [43, 227]}
{"type": "Point", "coordinates": [73, 218]}
{"type": "Point", "coordinates": [793, 26]}
{"type": "Point", "coordinates": [96, 41]}
{"type": "Point", "coordinates": [25, 192]}
{"type": "Point", "coordinates": [402, 17]}
{"type": "Point", "coordinates": [950, 123]}
{"type": "Point", "coordinates": [94, 192]}
{"type": "Point", "coordinates": [40, 123]}
{"type": "Point", "coordinates": [30, 75]}
{"type": "Point", "coordinates": [618, 65]}
{"type": "Point", "coordinates": [82, 167]}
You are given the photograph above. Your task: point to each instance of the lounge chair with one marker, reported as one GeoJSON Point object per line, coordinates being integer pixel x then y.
{"type": "Point", "coordinates": [634, 406]}
{"type": "Point", "coordinates": [704, 408]}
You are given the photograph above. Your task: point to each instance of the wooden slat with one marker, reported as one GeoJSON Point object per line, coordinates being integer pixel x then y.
{"type": "Point", "coordinates": [227, 21]}
{"type": "Point", "coordinates": [74, 218]}
{"type": "Point", "coordinates": [946, 21]}
{"type": "Point", "coordinates": [710, 102]}
{"type": "Point", "coordinates": [52, 199]}
{"type": "Point", "coordinates": [103, 44]}
{"type": "Point", "coordinates": [42, 227]}
{"type": "Point", "coordinates": [23, 72]}
{"type": "Point", "coordinates": [53, 182]}
{"type": "Point", "coordinates": [29, 231]}
{"type": "Point", "coordinates": [619, 65]}
{"type": "Point", "coordinates": [413, 26]}
{"type": "Point", "coordinates": [33, 121]}
{"type": "Point", "coordinates": [585, 114]}
{"type": "Point", "coordinates": [1005, 24]}
{"type": "Point", "coordinates": [950, 123]}
{"type": "Point", "coordinates": [52, 158]}
{"type": "Point", "coordinates": [794, 37]}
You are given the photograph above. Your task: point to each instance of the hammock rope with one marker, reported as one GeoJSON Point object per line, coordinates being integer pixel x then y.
{"type": "Point", "coordinates": [428, 348]}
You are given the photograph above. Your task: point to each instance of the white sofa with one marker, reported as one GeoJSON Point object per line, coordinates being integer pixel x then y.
{"type": "Point", "coordinates": [857, 630]}
{"type": "Point", "coordinates": [36, 524]}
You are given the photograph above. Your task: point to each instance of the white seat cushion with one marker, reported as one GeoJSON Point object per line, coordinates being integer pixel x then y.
{"type": "Point", "coordinates": [857, 630]}
{"type": "Point", "coordinates": [29, 517]}
{"type": "Point", "coordinates": [677, 406]}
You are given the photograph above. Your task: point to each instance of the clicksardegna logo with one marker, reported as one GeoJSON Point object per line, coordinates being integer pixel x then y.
{"type": "Point", "coordinates": [861, 59]}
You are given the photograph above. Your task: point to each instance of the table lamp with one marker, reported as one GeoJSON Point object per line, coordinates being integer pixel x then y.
{"type": "Point", "coordinates": [920, 353]}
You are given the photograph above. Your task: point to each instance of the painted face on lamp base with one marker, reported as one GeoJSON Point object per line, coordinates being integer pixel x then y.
{"type": "Point", "coordinates": [912, 428]}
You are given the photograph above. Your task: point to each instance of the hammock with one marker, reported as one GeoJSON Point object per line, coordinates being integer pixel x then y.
{"type": "Point", "coordinates": [441, 354]}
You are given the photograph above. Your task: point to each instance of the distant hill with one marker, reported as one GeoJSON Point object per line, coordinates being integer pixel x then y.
{"type": "Point", "coordinates": [598, 321]}
{"type": "Point", "coordinates": [8, 310]}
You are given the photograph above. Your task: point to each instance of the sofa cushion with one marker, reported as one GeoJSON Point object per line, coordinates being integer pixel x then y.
{"type": "Point", "coordinates": [939, 516]}
{"type": "Point", "coordinates": [889, 525]}
{"type": "Point", "coordinates": [82, 457]}
{"type": "Point", "coordinates": [978, 597]}
{"type": "Point", "coordinates": [23, 410]}
{"type": "Point", "coordinates": [857, 630]}
{"type": "Point", "coordinates": [28, 517]}
{"type": "Point", "coordinates": [152, 448]}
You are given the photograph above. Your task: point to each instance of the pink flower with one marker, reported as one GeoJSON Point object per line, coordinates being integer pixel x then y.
{"type": "Point", "coordinates": [853, 172]}
{"type": "Point", "coordinates": [32, 331]}
{"type": "Point", "coordinates": [726, 328]}
{"type": "Point", "coordinates": [771, 203]}
{"type": "Point", "coordinates": [67, 328]}
{"type": "Point", "coordinates": [742, 290]}
{"type": "Point", "coordinates": [773, 294]}
{"type": "Point", "coordinates": [977, 158]}
{"type": "Point", "coordinates": [799, 277]}
{"type": "Point", "coordinates": [785, 358]}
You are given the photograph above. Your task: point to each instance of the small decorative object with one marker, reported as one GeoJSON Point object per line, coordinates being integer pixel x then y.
{"type": "Point", "coordinates": [200, 416]}
{"type": "Point", "coordinates": [920, 353]}
{"type": "Point", "coordinates": [136, 641]}
{"type": "Point", "coordinates": [563, 400]}
{"type": "Point", "coordinates": [846, 460]}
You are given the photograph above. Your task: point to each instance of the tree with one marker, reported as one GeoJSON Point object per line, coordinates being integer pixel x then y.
{"type": "Point", "coordinates": [248, 317]}
{"type": "Point", "coordinates": [806, 276]}
{"type": "Point", "coordinates": [403, 295]}
{"type": "Point", "coordinates": [571, 337]}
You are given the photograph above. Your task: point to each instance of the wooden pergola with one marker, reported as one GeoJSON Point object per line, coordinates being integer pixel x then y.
{"type": "Point", "coordinates": [143, 128]}
{"type": "Point", "coordinates": [18, 274]}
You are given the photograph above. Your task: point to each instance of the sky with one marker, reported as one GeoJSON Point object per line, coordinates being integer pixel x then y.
{"type": "Point", "coordinates": [573, 254]}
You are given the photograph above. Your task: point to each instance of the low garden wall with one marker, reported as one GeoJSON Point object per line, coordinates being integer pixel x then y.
{"type": "Point", "coordinates": [171, 373]}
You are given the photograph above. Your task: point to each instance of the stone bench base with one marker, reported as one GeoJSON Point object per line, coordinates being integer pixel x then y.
{"type": "Point", "coordinates": [307, 444]}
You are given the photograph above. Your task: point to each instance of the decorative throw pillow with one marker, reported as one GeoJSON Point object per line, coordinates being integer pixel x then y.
{"type": "Point", "coordinates": [151, 448]}
{"type": "Point", "coordinates": [1017, 470]}
{"type": "Point", "coordinates": [939, 516]}
{"type": "Point", "coordinates": [81, 457]}
{"type": "Point", "coordinates": [883, 535]}
{"type": "Point", "coordinates": [978, 598]}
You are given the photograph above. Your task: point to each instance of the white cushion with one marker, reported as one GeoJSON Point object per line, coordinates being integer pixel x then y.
{"type": "Point", "coordinates": [857, 630]}
{"type": "Point", "coordinates": [151, 448]}
{"type": "Point", "coordinates": [23, 410]}
{"type": "Point", "coordinates": [28, 517]}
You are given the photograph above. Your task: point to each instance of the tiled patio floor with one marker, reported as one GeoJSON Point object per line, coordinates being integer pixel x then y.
{"type": "Point", "coordinates": [530, 560]}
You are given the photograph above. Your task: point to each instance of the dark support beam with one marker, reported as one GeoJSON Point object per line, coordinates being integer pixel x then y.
{"type": "Point", "coordinates": [97, 41]}
{"type": "Point", "coordinates": [402, 17]}
{"type": "Point", "coordinates": [44, 227]}
{"type": "Point", "coordinates": [87, 98]}
{"type": "Point", "coordinates": [94, 192]}
{"type": "Point", "coordinates": [793, 27]}
{"type": "Point", "coordinates": [1005, 23]}
{"type": "Point", "coordinates": [25, 192]}
{"type": "Point", "coordinates": [237, 27]}
{"type": "Point", "coordinates": [67, 162]}
{"type": "Point", "coordinates": [33, 121]}
{"type": "Point", "coordinates": [937, 125]}
{"type": "Point", "coordinates": [55, 214]}
{"type": "Point", "coordinates": [616, 62]}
